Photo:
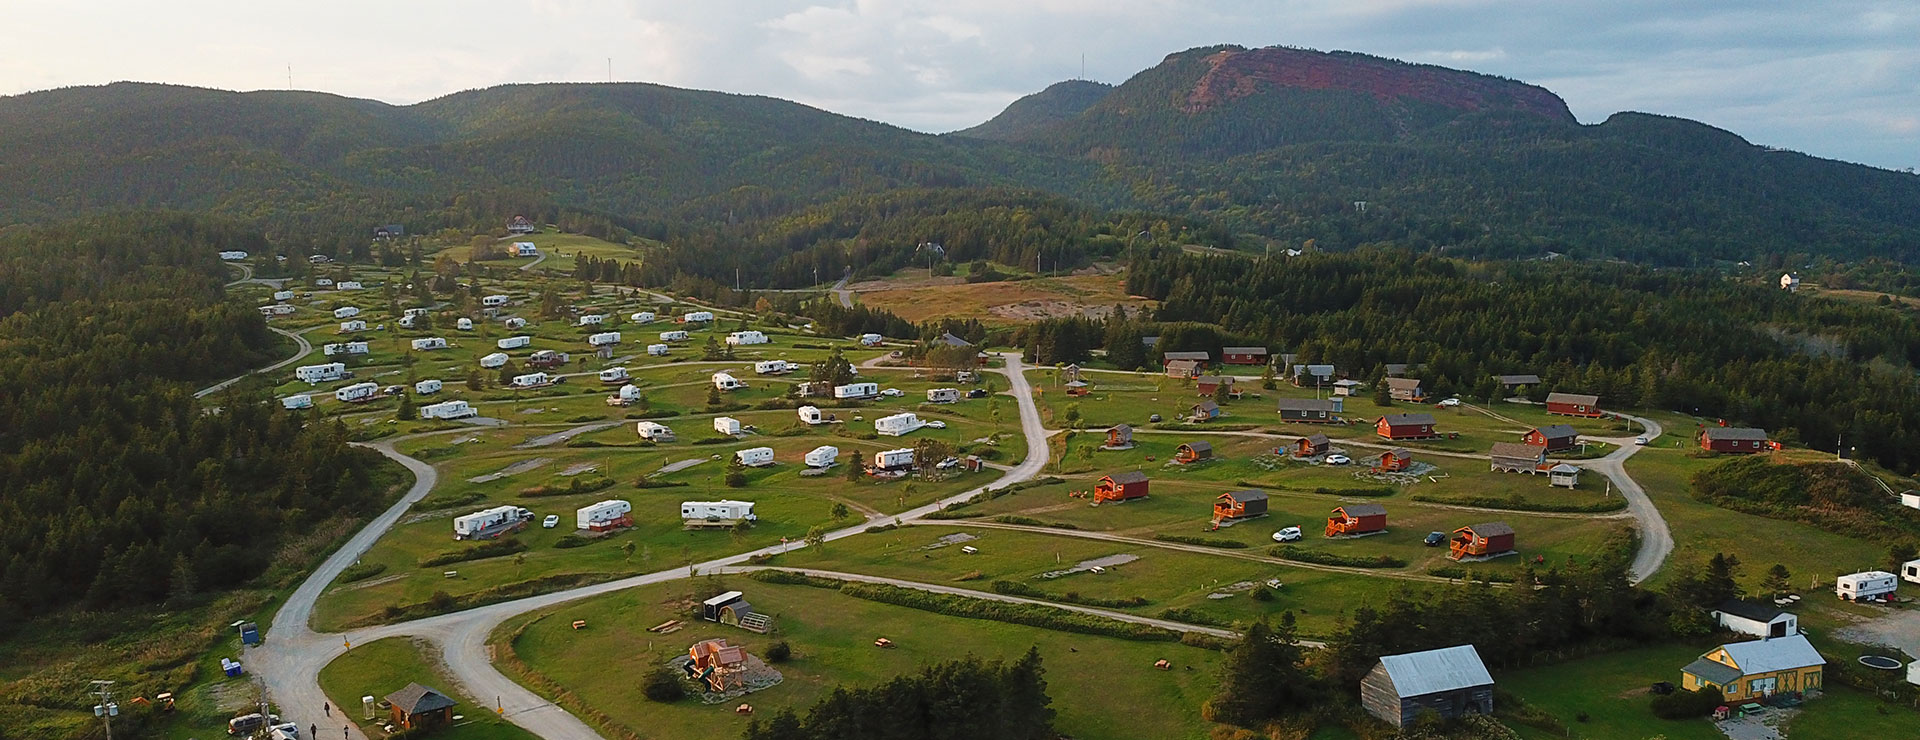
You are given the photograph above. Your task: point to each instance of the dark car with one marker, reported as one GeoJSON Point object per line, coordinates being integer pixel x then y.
{"type": "Point", "coordinates": [977, 393]}
{"type": "Point", "coordinates": [1435, 539]}
{"type": "Point", "coordinates": [1154, 419]}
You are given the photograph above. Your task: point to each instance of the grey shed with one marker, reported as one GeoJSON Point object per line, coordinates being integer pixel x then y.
{"type": "Point", "coordinates": [1450, 682]}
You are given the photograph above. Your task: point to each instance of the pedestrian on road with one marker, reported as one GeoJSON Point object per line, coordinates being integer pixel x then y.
{"type": "Point", "coordinates": [344, 734]}
{"type": "Point", "coordinates": [327, 707]}
{"type": "Point", "coordinates": [313, 731]}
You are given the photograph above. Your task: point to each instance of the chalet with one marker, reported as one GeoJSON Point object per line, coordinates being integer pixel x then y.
{"type": "Point", "coordinates": [1207, 385]}
{"type": "Point", "coordinates": [1449, 683]}
{"type": "Point", "coordinates": [1353, 520]}
{"type": "Point", "coordinates": [417, 707]}
{"type": "Point", "coordinates": [1240, 505]}
{"type": "Point", "coordinates": [1514, 457]}
{"type": "Point", "coordinates": [1243, 355]}
{"type": "Point", "coordinates": [1312, 375]}
{"type": "Point", "coordinates": [1734, 439]}
{"type": "Point", "coordinates": [1204, 411]}
{"type": "Point", "coordinates": [1309, 410]}
{"type": "Point", "coordinates": [1119, 437]}
{"type": "Point", "coordinates": [520, 225]}
{"type": "Point", "coordinates": [525, 249]}
{"type": "Point", "coordinates": [1193, 452]}
{"type": "Point", "coordinates": [1121, 487]}
{"type": "Point", "coordinates": [1511, 382]}
{"type": "Point", "coordinates": [1760, 620]}
{"type": "Point", "coordinates": [1564, 475]}
{"type": "Point", "coordinates": [1202, 359]}
{"type": "Point", "coordinates": [1405, 389]}
{"type": "Point", "coordinates": [1574, 404]}
{"type": "Point", "coordinates": [1309, 446]}
{"type": "Point", "coordinates": [1554, 437]}
{"type": "Point", "coordinates": [1789, 282]}
{"type": "Point", "coordinates": [1405, 426]}
{"type": "Point", "coordinates": [1183, 369]}
{"type": "Point", "coordinates": [1346, 387]}
{"type": "Point", "coordinates": [1757, 669]}
{"type": "Point", "coordinates": [1395, 460]}
{"type": "Point", "coordinates": [1480, 541]}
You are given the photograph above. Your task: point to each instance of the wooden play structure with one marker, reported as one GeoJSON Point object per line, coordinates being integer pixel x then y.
{"type": "Point", "coordinates": [1310, 446]}
{"type": "Point", "coordinates": [1480, 540]}
{"type": "Point", "coordinates": [1393, 461]}
{"type": "Point", "coordinates": [1121, 487]}
{"type": "Point", "coordinates": [1239, 505]}
{"type": "Point", "coordinates": [1193, 452]}
{"type": "Point", "coordinates": [1353, 520]}
{"type": "Point", "coordinates": [718, 665]}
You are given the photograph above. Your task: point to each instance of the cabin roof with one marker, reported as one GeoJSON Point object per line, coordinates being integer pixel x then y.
{"type": "Point", "coordinates": [1435, 671]}
{"type": "Point", "coordinates": [1243, 350]}
{"type": "Point", "coordinates": [1737, 434]}
{"type": "Point", "coordinates": [1199, 446]}
{"type": "Point", "coordinates": [1306, 404]}
{"type": "Point", "coordinates": [1408, 419]}
{"type": "Point", "coordinates": [1201, 356]}
{"type": "Point", "coordinates": [1246, 495]}
{"type": "Point", "coordinates": [1517, 450]}
{"type": "Point", "coordinates": [1490, 529]}
{"type": "Point", "coordinates": [1749, 610]}
{"type": "Point", "coordinates": [1522, 379]}
{"type": "Point", "coordinates": [1362, 509]}
{"type": "Point", "coordinates": [1558, 431]}
{"type": "Point", "coordinates": [1775, 654]}
{"type": "Point", "coordinates": [1580, 399]}
{"type": "Point", "coordinates": [1128, 477]}
{"type": "Point", "coordinates": [417, 699]}
{"type": "Point", "coordinates": [1404, 384]}
{"type": "Point", "coordinates": [1317, 439]}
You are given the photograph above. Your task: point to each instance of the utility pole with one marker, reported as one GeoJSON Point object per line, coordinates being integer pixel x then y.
{"type": "Point", "coordinates": [106, 710]}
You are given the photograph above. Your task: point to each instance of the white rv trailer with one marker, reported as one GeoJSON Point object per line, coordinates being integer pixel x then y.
{"type": "Point", "coordinates": [823, 456]}
{"type": "Point", "coordinates": [455, 409]}
{"type": "Point", "coordinates": [755, 457]}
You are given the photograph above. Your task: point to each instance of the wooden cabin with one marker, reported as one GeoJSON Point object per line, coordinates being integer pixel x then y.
{"type": "Point", "coordinates": [1357, 519]}
{"type": "Point", "coordinates": [418, 707]}
{"type": "Point", "coordinates": [1393, 461]}
{"type": "Point", "coordinates": [1554, 437]}
{"type": "Point", "coordinates": [1193, 452]}
{"type": "Point", "coordinates": [1743, 440]}
{"type": "Point", "coordinates": [1510, 382]}
{"type": "Point", "coordinates": [1121, 487]}
{"type": "Point", "coordinates": [1239, 505]}
{"type": "Point", "coordinates": [1199, 359]}
{"type": "Point", "coordinates": [1208, 384]}
{"type": "Point", "coordinates": [1119, 437]}
{"type": "Point", "coordinates": [1448, 682]}
{"type": "Point", "coordinates": [1405, 426]}
{"type": "Point", "coordinates": [1309, 410]}
{"type": "Point", "coordinates": [1183, 369]}
{"type": "Point", "coordinates": [1405, 389]}
{"type": "Point", "coordinates": [1480, 540]}
{"type": "Point", "coordinates": [1564, 476]}
{"type": "Point", "coordinates": [1515, 457]}
{"type": "Point", "coordinates": [1574, 404]}
{"type": "Point", "coordinates": [1309, 446]}
{"type": "Point", "coordinates": [1204, 411]}
{"type": "Point", "coordinates": [1243, 355]}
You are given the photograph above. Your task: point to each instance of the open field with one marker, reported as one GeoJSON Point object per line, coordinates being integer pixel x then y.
{"type": "Point", "coordinates": [832, 638]}
{"type": "Point", "coordinates": [918, 299]}
{"type": "Point", "coordinates": [384, 666]}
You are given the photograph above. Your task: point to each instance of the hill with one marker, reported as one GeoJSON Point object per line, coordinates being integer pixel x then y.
{"type": "Point", "coordinates": [1027, 116]}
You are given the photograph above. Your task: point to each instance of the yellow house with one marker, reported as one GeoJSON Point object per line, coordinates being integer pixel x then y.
{"type": "Point", "coordinates": [1757, 669]}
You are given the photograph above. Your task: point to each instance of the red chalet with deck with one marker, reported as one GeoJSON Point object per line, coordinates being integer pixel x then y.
{"type": "Point", "coordinates": [1405, 426]}
{"type": "Point", "coordinates": [1574, 404]}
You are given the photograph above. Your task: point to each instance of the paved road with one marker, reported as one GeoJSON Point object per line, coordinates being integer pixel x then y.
{"type": "Point", "coordinates": [840, 290]}
{"type": "Point", "coordinates": [302, 352]}
{"type": "Point", "coordinates": [537, 259]}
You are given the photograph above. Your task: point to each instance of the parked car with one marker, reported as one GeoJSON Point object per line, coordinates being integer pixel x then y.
{"type": "Point", "coordinates": [1435, 539]}
{"type": "Point", "coordinates": [977, 393]}
{"type": "Point", "coordinates": [1642, 441]}
{"type": "Point", "coordinates": [1287, 534]}
{"type": "Point", "coordinates": [1450, 403]}
{"type": "Point", "coordinates": [552, 520]}
{"type": "Point", "coordinates": [948, 463]}
{"type": "Point", "coordinates": [1338, 459]}
{"type": "Point", "coordinates": [936, 424]}
{"type": "Point", "coordinates": [893, 393]}
{"type": "Point", "coordinates": [1154, 419]}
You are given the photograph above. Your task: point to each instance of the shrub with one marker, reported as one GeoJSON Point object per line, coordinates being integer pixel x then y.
{"type": "Point", "coordinates": [488, 549]}
{"type": "Point", "coordinates": [795, 578]}
{"type": "Point", "coordinates": [1520, 503]}
{"type": "Point", "coordinates": [1304, 555]}
{"type": "Point", "coordinates": [736, 479]}
{"type": "Point", "coordinates": [569, 541]}
{"type": "Point", "coordinates": [647, 482]}
{"type": "Point", "coordinates": [586, 418]}
{"type": "Point", "coordinates": [361, 571]}
{"type": "Point", "coordinates": [713, 440]}
{"type": "Point", "coordinates": [662, 686]}
{"type": "Point", "coordinates": [1201, 541]}
{"type": "Point", "coordinates": [1016, 588]}
{"type": "Point", "coordinates": [1190, 616]}
{"type": "Point", "coordinates": [1455, 571]}
{"type": "Point", "coordinates": [779, 652]}
{"type": "Point", "coordinates": [1684, 704]}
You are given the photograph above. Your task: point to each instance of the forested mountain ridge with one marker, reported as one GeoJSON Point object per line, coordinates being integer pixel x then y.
{"type": "Point", "coordinates": [1027, 116]}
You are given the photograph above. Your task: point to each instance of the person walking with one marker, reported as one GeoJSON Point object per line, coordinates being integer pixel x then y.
{"type": "Point", "coordinates": [327, 707]}
{"type": "Point", "coordinates": [313, 731]}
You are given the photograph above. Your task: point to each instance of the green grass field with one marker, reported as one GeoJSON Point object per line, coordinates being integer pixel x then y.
{"type": "Point", "coordinates": [384, 666]}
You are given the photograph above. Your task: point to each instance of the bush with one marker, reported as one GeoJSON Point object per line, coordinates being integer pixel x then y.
{"type": "Point", "coordinates": [1201, 541]}
{"type": "Point", "coordinates": [736, 479]}
{"type": "Point", "coordinates": [1016, 588]}
{"type": "Point", "coordinates": [662, 686]}
{"type": "Point", "coordinates": [647, 482]}
{"type": "Point", "coordinates": [570, 541]}
{"type": "Point", "coordinates": [713, 440]}
{"type": "Point", "coordinates": [586, 418]}
{"type": "Point", "coordinates": [795, 578]}
{"type": "Point", "coordinates": [779, 652]}
{"type": "Point", "coordinates": [1682, 704]}
{"type": "Point", "coordinates": [1027, 521]}
{"type": "Point", "coordinates": [1190, 616]}
{"type": "Point", "coordinates": [488, 549]}
{"type": "Point", "coordinates": [1520, 503]}
{"type": "Point", "coordinates": [1455, 571]}
{"type": "Point", "coordinates": [1304, 555]}
{"type": "Point", "coordinates": [361, 571]}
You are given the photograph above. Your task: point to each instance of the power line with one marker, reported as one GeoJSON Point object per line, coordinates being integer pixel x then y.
{"type": "Point", "coordinates": [106, 710]}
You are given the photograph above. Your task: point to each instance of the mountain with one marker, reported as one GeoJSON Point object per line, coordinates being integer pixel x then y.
{"type": "Point", "coordinates": [1028, 115]}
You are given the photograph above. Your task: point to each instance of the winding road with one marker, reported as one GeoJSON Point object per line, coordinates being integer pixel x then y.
{"type": "Point", "coordinates": [304, 348]}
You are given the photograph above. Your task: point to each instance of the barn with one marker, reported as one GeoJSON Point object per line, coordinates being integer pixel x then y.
{"type": "Point", "coordinates": [1514, 457]}
{"type": "Point", "coordinates": [1393, 461]}
{"type": "Point", "coordinates": [1121, 487]}
{"type": "Point", "coordinates": [1405, 426]}
{"type": "Point", "coordinates": [1573, 404]}
{"type": "Point", "coordinates": [1309, 410]}
{"type": "Point", "coordinates": [1243, 355]}
{"type": "Point", "coordinates": [1239, 505]}
{"type": "Point", "coordinates": [1734, 439]}
{"type": "Point", "coordinates": [1555, 437]}
{"type": "Point", "coordinates": [1480, 540]}
{"type": "Point", "coordinates": [1308, 446]}
{"type": "Point", "coordinates": [1193, 452]}
{"type": "Point", "coordinates": [1353, 520]}
{"type": "Point", "coordinates": [1449, 682]}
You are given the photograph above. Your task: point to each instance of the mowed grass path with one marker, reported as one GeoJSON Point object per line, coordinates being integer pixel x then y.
{"type": "Point", "coordinates": [384, 666]}
{"type": "Point", "coordinates": [1101, 687]}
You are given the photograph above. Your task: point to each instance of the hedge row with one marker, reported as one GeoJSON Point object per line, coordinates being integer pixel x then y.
{"type": "Point", "coordinates": [1517, 503]}
{"type": "Point", "coordinates": [488, 549]}
{"type": "Point", "coordinates": [1016, 588]}
{"type": "Point", "coordinates": [1304, 555]}
{"type": "Point", "coordinates": [1201, 541]}
{"type": "Point", "coordinates": [1032, 615]}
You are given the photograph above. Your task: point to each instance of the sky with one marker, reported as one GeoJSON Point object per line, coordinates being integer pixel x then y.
{"type": "Point", "coordinates": [1833, 78]}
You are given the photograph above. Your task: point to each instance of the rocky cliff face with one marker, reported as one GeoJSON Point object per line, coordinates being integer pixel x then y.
{"type": "Point", "coordinates": [1239, 73]}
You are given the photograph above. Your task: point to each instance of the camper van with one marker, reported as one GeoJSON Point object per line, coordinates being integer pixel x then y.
{"type": "Point", "coordinates": [349, 327]}
{"type": "Point", "coordinates": [604, 515]}
{"type": "Point", "coordinates": [746, 337]}
{"type": "Point", "coordinates": [301, 401]}
{"type": "Point", "coordinates": [347, 285]}
{"type": "Point", "coordinates": [629, 392]}
{"type": "Point", "coordinates": [345, 312]}
{"type": "Point", "coordinates": [897, 424]}
{"type": "Point", "coordinates": [463, 324]}
{"type": "Point", "coordinates": [490, 523]}
{"type": "Point", "coordinates": [755, 457]}
{"type": "Point", "coordinates": [427, 386]}
{"type": "Point", "coordinates": [657, 350]}
{"type": "Point", "coordinates": [1868, 585]}
{"type": "Point", "coordinates": [856, 390]}
{"type": "Point", "coordinates": [494, 301]}
{"type": "Point", "coordinates": [321, 373]}
{"type": "Point", "coordinates": [943, 395]}
{"type": "Point", "coordinates": [643, 317]}
{"type": "Point", "coordinates": [772, 367]}
{"type": "Point", "coordinates": [514, 342]}
{"type": "Point", "coordinates": [497, 359]}
{"type": "Point", "coordinates": [871, 340]}
{"type": "Point", "coordinates": [604, 339]}
{"type": "Point", "coordinates": [823, 456]}
{"type": "Point", "coordinates": [532, 380]}
{"type": "Point", "coordinates": [697, 317]}
{"type": "Point", "coordinates": [283, 295]}
{"type": "Point", "coordinates": [592, 319]}
{"type": "Point", "coordinates": [811, 415]}
{"type": "Point", "coordinates": [899, 459]}
{"type": "Point", "coordinates": [357, 392]}
{"type": "Point", "coordinates": [613, 375]}
{"type": "Point", "coordinates": [515, 322]}
{"type": "Point", "coordinates": [722, 510]}
{"type": "Point", "coordinates": [673, 336]}
{"type": "Point", "coordinates": [726, 425]}
{"type": "Point", "coordinates": [653, 431]}
{"type": "Point", "coordinates": [429, 343]}
{"type": "Point", "coordinates": [726, 382]}
{"type": "Point", "coordinates": [448, 410]}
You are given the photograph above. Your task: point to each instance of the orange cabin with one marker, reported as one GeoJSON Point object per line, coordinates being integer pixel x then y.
{"type": "Point", "coordinates": [1121, 487]}
{"type": "Point", "coordinates": [1574, 404]}
{"type": "Point", "coordinates": [1491, 538]}
{"type": "Point", "coordinates": [1120, 436]}
{"type": "Point", "coordinates": [1393, 461]}
{"type": "Point", "coordinates": [1193, 452]}
{"type": "Point", "coordinates": [1309, 446]}
{"type": "Point", "coordinates": [1239, 505]}
{"type": "Point", "coordinates": [1357, 519]}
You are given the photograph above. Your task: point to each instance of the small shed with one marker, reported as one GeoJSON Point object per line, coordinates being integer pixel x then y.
{"type": "Point", "coordinates": [1760, 620]}
{"type": "Point", "coordinates": [710, 609]}
{"type": "Point", "coordinates": [1239, 505]}
{"type": "Point", "coordinates": [1554, 437]}
{"type": "Point", "coordinates": [1480, 540]}
{"type": "Point", "coordinates": [1393, 461]}
{"type": "Point", "coordinates": [418, 707]}
{"type": "Point", "coordinates": [1574, 404]}
{"type": "Point", "coordinates": [1311, 445]}
{"type": "Point", "coordinates": [1564, 475]}
{"type": "Point", "coordinates": [1204, 411]}
{"type": "Point", "coordinates": [1449, 682]}
{"type": "Point", "coordinates": [1121, 487]}
{"type": "Point", "coordinates": [1515, 457]}
{"type": "Point", "coordinates": [1193, 452]}
{"type": "Point", "coordinates": [1346, 387]}
{"type": "Point", "coordinates": [1119, 437]}
{"type": "Point", "coordinates": [1357, 519]}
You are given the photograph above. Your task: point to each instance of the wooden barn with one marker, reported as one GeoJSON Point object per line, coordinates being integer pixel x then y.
{"type": "Point", "coordinates": [1200, 358]}
{"type": "Point", "coordinates": [1183, 369]}
{"type": "Point", "coordinates": [1204, 411]}
{"type": "Point", "coordinates": [1405, 426]}
{"type": "Point", "coordinates": [1511, 382]}
{"type": "Point", "coordinates": [1357, 519]}
{"type": "Point", "coordinates": [1573, 404]}
{"type": "Point", "coordinates": [1393, 461]}
{"type": "Point", "coordinates": [1193, 452]}
{"type": "Point", "coordinates": [1309, 410]}
{"type": "Point", "coordinates": [1405, 389]}
{"type": "Point", "coordinates": [1119, 437]}
{"type": "Point", "coordinates": [1239, 505]}
{"type": "Point", "coordinates": [1734, 439]}
{"type": "Point", "coordinates": [1208, 384]}
{"type": "Point", "coordinates": [1309, 446]}
{"type": "Point", "coordinates": [1554, 437]}
{"type": "Point", "coordinates": [417, 707]}
{"type": "Point", "coordinates": [1480, 540]}
{"type": "Point", "coordinates": [1448, 682]}
{"type": "Point", "coordinates": [1516, 457]}
{"type": "Point", "coordinates": [1121, 487]}
{"type": "Point", "coordinates": [1243, 355]}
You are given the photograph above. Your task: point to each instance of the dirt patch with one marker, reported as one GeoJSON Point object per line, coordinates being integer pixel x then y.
{"type": "Point", "coordinates": [1036, 310]}
{"type": "Point", "coordinates": [1010, 301]}
{"type": "Point", "coordinates": [579, 468]}
{"type": "Point", "coordinates": [514, 469]}
{"type": "Point", "coordinates": [1088, 565]}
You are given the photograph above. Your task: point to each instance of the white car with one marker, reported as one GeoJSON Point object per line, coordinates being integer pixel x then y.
{"type": "Point", "coordinates": [893, 393]}
{"type": "Point", "coordinates": [1338, 459]}
{"type": "Point", "coordinates": [1642, 441]}
{"type": "Point", "coordinates": [552, 520]}
{"type": "Point", "coordinates": [936, 424]}
{"type": "Point", "coordinates": [1287, 534]}
{"type": "Point", "coordinates": [1450, 403]}
{"type": "Point", "coordinates": [948, 463]}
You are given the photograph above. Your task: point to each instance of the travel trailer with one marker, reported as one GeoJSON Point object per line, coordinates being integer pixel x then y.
{"type": "Point", "coordinates": [755, 457]}
{"type": "Point", "coordinates": [448, 410]}
{"type": "Point", "coordinates": [514, 342]}
{"type": "Point", "coordinates": [653, 431]}
{"type": "Point", "coordinates": [497, 359]}
{"type": "Point", "coordinates": [822, 456]}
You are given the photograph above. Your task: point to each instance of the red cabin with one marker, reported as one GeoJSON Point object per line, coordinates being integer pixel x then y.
{"type": "Point", "coordinates": [1480, 540]}
{"type": "Point", "coordinates": [1735, 440]}
{"type": "Point", "coordinates": [1317, 444]}
{"type": "Point", "coordinates": [1555, 438]}
{"type": "Point", "coordinates": [1393, 461]}
{"type": "Point", "coordinates": [1353, 520]}
{"type": "Point", "coordinates": [1405, 426]}
{"type": "Point", "coordinates": [1239, 505]}
{"type": "Point", "coordinates": [1208, 384]}
{"type": "Point", "coordinates": [1573, 404]}
{"type": "Point", "coordinates": [1243, 355]}
{"type": "Point", "coordinates": [1121, 487]}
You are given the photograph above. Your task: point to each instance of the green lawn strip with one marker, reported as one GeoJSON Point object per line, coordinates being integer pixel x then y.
{"type": "Point", "coordinates": [384, 666]}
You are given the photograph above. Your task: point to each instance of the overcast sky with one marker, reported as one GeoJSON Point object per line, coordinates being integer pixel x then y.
{"type": "Point", "coordinates": [1835, 78]}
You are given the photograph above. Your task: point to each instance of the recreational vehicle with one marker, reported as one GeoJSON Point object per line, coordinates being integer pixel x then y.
{"type": "Point", "coordinates": [490, 523]}
{"type": "Point", "coordinates": [283, 295]}
{"type": "Point", "coordinates": [514, 342]}
{"type": "Point", "coordinates": [497, 359]}
{"type": "Point", "coordinates": [349, 327]}
{"type": "Point", "coordinates": [429, 343]}
{"type": "Point", "coordinates": [613, 375]}
{"type": "Point", "coordinates": [811, 415]}
{"type": "Point", "coordinates": [604, 515]}
{"type": "Point", "coordinates": [653, 431]}
{"type": "Point", "coordinates": [899, 459]}
{"type": "Point", "coordinates": [643, 317]}
{"type": "Point", "coordinates": [301, 401]}
{"type": "Point", "coordinates": [673, 336]}
{"type": "Point", "coordinates": [856, 390]}
{"type": "Point", "coordinates": [345, 312]}
{"type": "Point", "coordinates": [943, 395]}
{"type": "Point", "coordinates": [427, 386]}
{"type": "Point", "coordinates": [726, 382]}
{"type": "Point", "coordinates": [604, 339]}
{"type": "Point", "coordinates": [897, 424]}
{"type": "Point", "coordinates": [697, 317]}
{"type": "Point", "coordinates": [773, 367]}
{"type": "Point", "coordinates": [515, 322]}
{"type": "Point", "coordinates": [532, 380]}
{"type": "Point", "coordinates": [463, 324]}
{"type": "Point", "coordinates": [871, 340]}
{"type": "Point", "coordinates": [823, 456]}
{"type": "Point", "coordinates": [746, 337]}
{"type": "Point", "coordinates": [726, 425]}
{"type": "Point", "coordinates": [723, 510]}
{"type": "Point", "coordinates": [357, 392]}
{"type": "Point", "coordinates": [494, 301]}
{"type": "Point", "coordinates": [755, 457]}
{"type": "Point", "coordinates": [1868, 585]}
{"type": "Point", "coordinates": [546, 358]}
{"type": "Point", "coordinates": [657, 350]}
{"type": "Point", "coordinates": [592, 319]}
{"type": "Point", "coordinates": [448, 410]}
{"type": "Point", "coordinates": [321, 373]}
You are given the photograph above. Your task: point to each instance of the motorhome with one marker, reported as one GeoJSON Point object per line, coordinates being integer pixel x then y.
{"type": "Point", "coordinates": [643, 317]}
{"type": "Point", "coordinates": [613, 375]}
{"type": "Point", "coordinates": [428, 386]}
{"type": "Point", "coordinates": [746, 338]}
{"type": "Point", "coordinates": [943, 395]}
{"type": "Point", "coordinates": [455, 409]}
{"type": "Point", "coordinates": [358, 392]}
{"type": "Point", "coordinates": [755, 457]}
{"type": "Point", "coordinates": [773, 367]}
{"type": "Point", "coordinates": [653, 431]}
{"type": "Point", "coordinates": [856, 391]}
{"type": "Point", "coordinates": [673, 336]}
{"type": "Point", "coordinates": [514, 342]}
{"type": "Point", "coordinates": [823, 456]}
{"type": "Point", "coordinates": [424, 344]}
{"type": "Point", "coordinates": [897, 424]}
{"type": "Point", "coordinates": [495, 360]}
{"type": "Point", "coordinates": [321, 373]}
{"type": "Point", "coordinates": [532, 380]}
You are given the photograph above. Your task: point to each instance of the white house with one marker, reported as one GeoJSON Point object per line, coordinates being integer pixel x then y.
{"type": "Point", "coordinates": [726, 425]}
{"type": "Point", "coordinates": [893, 459]}
{"type": "Point", "coordinates": [747, 337]}
{"type": "Point", "coordinates": [494, 301]}
{"type": "Point", "coordinates": [755, 457]}
{"type": "Point", "coordinates": [697, 317]}
{"type": "Point", "coordinates": [299, 401]}
{"type": "Point", "coordinates": [1910, 571]}
{"type": "Point", "coordinates": [604, 339]}
{"type": "Point", "coordinates": [723, 509]}
{"type": "Point", "coordinates": [345, 312]}
{"type": "Point", "coordinates": [455, 409]}
{"type": "Point", "coordinates": [673, 336]}
{"type": "Point", "coordinates": [321, 373]}
{"type": "Point", "coordinates": [525, 249]}
{"type": "Point", "coordinates": [515, 322]}
{"type": "Point", "coordinates": [429, 343]}
{"type": "Point", "coordinates": [1789, 282]}
{"type": "Point", "coordinates": [613, 375]}
{"type": "Point", "coordinates": [349, 327]}
{"type": "Point", "coordinates": [428, 386]}
{"type": "Point", "coordinates": [811, 415]}
{"type": "Point", "coordinates": [629, 392]}
{"type": "Point", "coordinates": [856, 390]}
{"type": "Point", "coordinates": [604, 515]}
{"type": "Point", "coordinates": [283, 295]}
{"type": "Point", "coordinates": [531, 380]}
{"type": "Point", "coordinates": [463, 324]}
{"type": "Point", "coordinates": [497, 359]}
{"type": "Point", "coordinates": [773, 367]}
{"type": "Point", "coordinates": [347, 285]}
{"type": "Point", "coordinates": [357, 392]}
{"type": "Point", "coordinates": [653, 431]}
{"type": "Point", "coordinates": [514, 342]}
{"type": "Point", "coordinates": [643, 317]}
{"type": "Point", "coordinates": [871, 340]}
{"type": "Point", "coordinates": [943, 395]}
{"type": "Point", "coordinates": [657, 350]}
{"type": "Point", "coordinates": [234, 254]}
{"type": "Point", "coordinates": [1910, 499]}
{"type": "Point", "coordinates": [1759, 620]}
{"type": "Point", "coordinates": [897, 424]}
{"type": "Point", "coordinates": [592, 319]}
{"type": "Point", "coordinates": [1865, 585]}
{"type": "Point", "coordinates": [726, 382]}
{"type": "Point", "coordinates": [823, 456]}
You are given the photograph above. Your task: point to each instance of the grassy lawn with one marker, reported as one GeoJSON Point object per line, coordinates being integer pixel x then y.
{"type": "Point", "coordinates": [832, 639]}
{"type": "Point", "coordinates": [914, 298]}
{"type": "Point", "coordinates": [384, 666]}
